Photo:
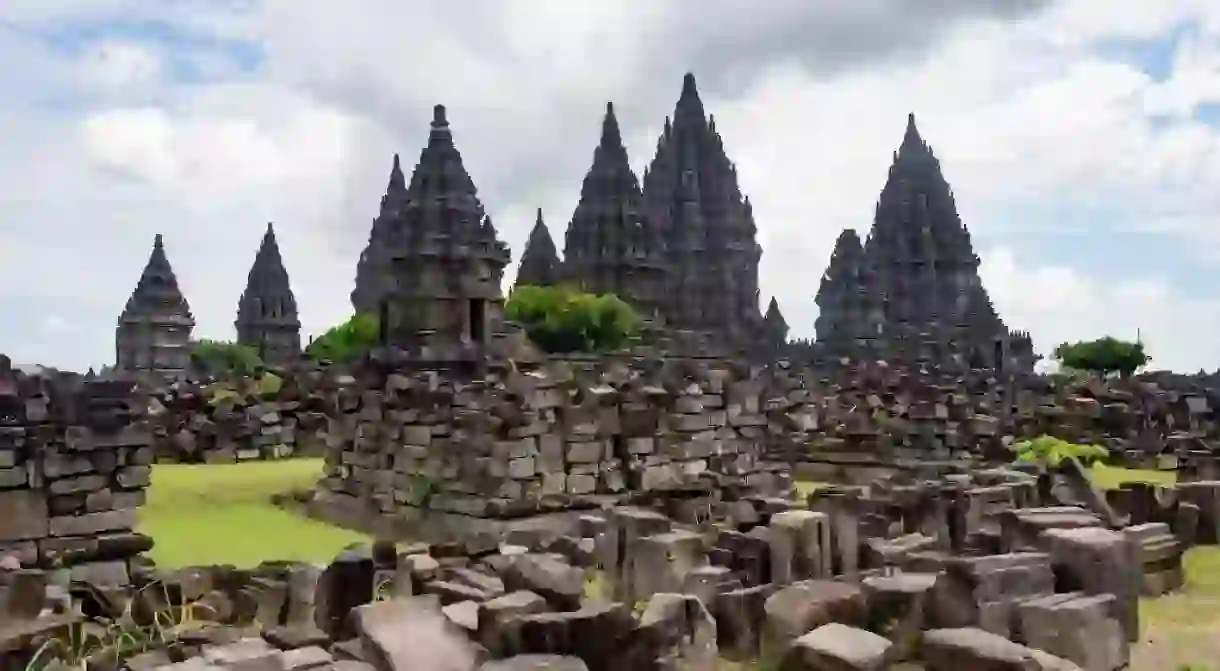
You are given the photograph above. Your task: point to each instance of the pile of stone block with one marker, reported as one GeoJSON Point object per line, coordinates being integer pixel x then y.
{"type": "Point", "coordinates": [74, 465]}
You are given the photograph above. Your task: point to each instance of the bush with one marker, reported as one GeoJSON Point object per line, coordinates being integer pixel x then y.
{"type": "Point", "coordinates": [562, 319]}
{"type": "Point", "coordinates": [1048, 452]}
{"type": "Point", "coordinates": [1103, 356]}
{"type": "Point", "coordinates": [216, 357]}
{"type": "Point", "coordinates": [348, 341]}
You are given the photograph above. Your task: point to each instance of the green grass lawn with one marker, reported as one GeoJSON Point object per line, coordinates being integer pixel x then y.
{"type": "Point", "coordinates": [221, 514]}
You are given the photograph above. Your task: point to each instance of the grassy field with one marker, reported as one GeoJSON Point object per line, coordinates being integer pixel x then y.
{"type": "Point", "coordinates": [221, 514]}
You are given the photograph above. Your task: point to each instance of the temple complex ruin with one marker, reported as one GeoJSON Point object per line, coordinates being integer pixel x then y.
{"type": "Point", "coordinates": [154, 331]}
{"type": "Point", "coordinates": [267, 318]}
{"type": "Point", "coordinates": [540, 265]}
{"type": "Point", "coordinates": [911, 293]}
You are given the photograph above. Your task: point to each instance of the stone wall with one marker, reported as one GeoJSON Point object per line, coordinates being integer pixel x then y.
{"type": "Point", "coordinates": [74, 465]}
{"type": "Point", "coordinates": [555, 438]}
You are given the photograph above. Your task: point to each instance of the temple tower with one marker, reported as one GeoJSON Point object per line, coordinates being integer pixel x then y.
{"type": "Point", "coordinates": [692, 196]}
{"type": "Point", "coordinates": [848, 320]}
{"type": "Point", "coordinates": [433, 265]}
{"type": "Point", "coordinates": [267, 318]}
{"type": "Point", "coordinates": [540, 265]}
{"type": "Point", "coordinates": [154, 331]}
{"type": "Point", "coordinates": [609, 246]}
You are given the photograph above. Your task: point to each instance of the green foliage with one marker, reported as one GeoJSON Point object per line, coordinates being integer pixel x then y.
{"type": "Point", "coordinates": [562, 319]}
{"type": "Point", "coordinates": [1049, 452]}
{"type": "Point", "coordinates": [216, 357]}
{"type": "Point", "coordinates": [1103, 356]}
{"type": "Point", "coordinates": [348, 341]}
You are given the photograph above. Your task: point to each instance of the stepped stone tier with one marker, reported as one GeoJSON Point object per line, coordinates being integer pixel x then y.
{"type": "Point", "coordinates": [154, 331]}
{"type": "Point", "coordinates": [912, 293]}
{"type": "Point", "coordinates": [433, 265]}
{"type": "Point", "coordinates": [692, 197]}
{"type": "Point", "coordinates": [611, 246]}
{"type": "Point", "coordinates": [540, 265]}
{"type": "Point", "coordinates": [267, 317]}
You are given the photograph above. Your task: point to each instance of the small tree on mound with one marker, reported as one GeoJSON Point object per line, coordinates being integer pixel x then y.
{"type": "Point", "coordinates": [562, 319]}
{"type": "Point", "coordinates": [347, 341]}
{"type": "Point", "coordinates": [1048, 452]}
{"type": "Point", "coordinates": [217, 357]}
{"type": "Point", "coordinates": [1103, 356]}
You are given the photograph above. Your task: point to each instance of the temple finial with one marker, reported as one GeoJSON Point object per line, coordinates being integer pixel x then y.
{"type": "Point", "coordinates": [438, 116]}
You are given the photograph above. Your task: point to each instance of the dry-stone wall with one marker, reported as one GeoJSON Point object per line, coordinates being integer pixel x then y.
{"type": "Point", "coordinates": [74, 464]}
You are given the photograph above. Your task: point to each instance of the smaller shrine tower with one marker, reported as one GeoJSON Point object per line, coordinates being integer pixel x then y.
{"type": "Point", "coordinates": [267, 318]}
{"type": "Point", "coordinates": [154, 331]}
{"type": "Point", "coordinates": [540, 265]}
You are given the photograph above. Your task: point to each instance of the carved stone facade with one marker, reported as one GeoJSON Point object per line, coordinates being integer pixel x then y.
{"type": "Point", "coordinates": [433, 265]}
{"type": "Point", "coordinates": [154, 331]}
{"type": "Point", "coordinates": [540, 264]}
{"type": "Point", "coordinates": [912, 293]}
{"type": "Point", "coordinates": [267, 318]}
{"type": "Point", "coordinates": [693, 198]}
{"type": "Point", "coordinates": [610, 245]}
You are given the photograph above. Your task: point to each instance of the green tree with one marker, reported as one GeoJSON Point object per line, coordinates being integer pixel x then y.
{"type": "Point", "coordinates": [1103, 356]}
{"type": "Point", "coordinates": [347, 341]}
{"type": "Point", "coordinates": [216, 357]}
{"type": "Point", "coordinates": [562, 319]}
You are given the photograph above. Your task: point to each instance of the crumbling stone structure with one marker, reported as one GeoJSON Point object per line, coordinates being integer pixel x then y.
{"type": "Point", "coordinates": [154, 331]}
{"type": "Point", "coordinates": [611, 245]}
{"type": "Point", "coordinates": [540, 264]}
{"type": "Point", "coordinates": [692, 197]}
{"type": "Point", "coordinates": [74, 464]}
{"type": "Point", "coordinates": [433, 265]}
{"type": "Point", "coordinates": [267, 318]}
{"type": "Point", "coordinates": [911, 294]}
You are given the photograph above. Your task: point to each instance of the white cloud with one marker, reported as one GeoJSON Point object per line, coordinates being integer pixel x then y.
{"type": "Point", "coordinates": [1021, 113]}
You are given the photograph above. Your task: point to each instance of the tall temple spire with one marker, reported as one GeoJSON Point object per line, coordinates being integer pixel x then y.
{"type": "Point", "coordinates": [439, 231]}
{"type": "Point", "coordinates": [609, 246]}
{"type": "Point", "coordinates": [540, 266]}
{"type": "Point", "coordinates": [154, 330]}
{"type": "Point", "coordinates": [693, 197]}
{"type": "Point", "coordinates": [267, 319]}
{"type": "Point", "coordinates": [776, 325]}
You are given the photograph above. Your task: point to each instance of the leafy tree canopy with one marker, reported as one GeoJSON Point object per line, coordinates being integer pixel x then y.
{"type": "Point", "coordinates": [347, 341]}
{"type": "Point", "coordinates": [216, 357]}
{"type": "Point", "coordinates": [1103, 356]}
{"type": "Point", "coordinates": [562, 319]}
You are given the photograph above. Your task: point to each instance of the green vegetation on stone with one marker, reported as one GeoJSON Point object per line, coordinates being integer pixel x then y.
{"type": "Point", "coordinates": [222, 514]}
{"type": "Point", "coordinates": [562, 319]}
{"type": "Point", "coordinates": [347, 341]}
{"type": "Point", "coordinates": [1049, 452]}
{"type": "Point", "coordinates": [1103, 356]}
{"type": "Point", "coordinates": [217, 357]}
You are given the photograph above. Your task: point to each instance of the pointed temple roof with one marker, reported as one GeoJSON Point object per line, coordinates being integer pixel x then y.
{"type": "Point", "coordinates": [774, 316]}
{"type": "Point", "coordinates": [692, 192]}
{"type": "Point", "coordinates": [434, 215]}
{"type": "Point", "coordinates": [268, 294]}
{"type": "Point", "coordinates": [845, 265]}
{"type": "Point", "coordinates": [540, 264]}
{"type": "Point", "coordinates": [156, 296]}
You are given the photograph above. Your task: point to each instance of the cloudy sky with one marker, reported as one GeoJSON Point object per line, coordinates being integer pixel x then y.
{"type": "Point", "coordinates": [1082, 139]}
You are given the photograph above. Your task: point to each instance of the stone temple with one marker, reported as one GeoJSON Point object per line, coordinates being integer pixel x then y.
{"type": "Point", "coordinates": [267, 318]}
{"type": "Point", "coordinates": [154, 330]}
{"type": "Point", "coordinates": [911, 292]}
{"type": "Point", "coordinates": [433, 265]}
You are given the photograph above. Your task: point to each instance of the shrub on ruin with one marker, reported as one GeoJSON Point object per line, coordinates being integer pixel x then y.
{"type": "Point", "coordinates": [218, 357]}
{"type": "Point", "coordinates": [1049, 452]}
{"type": "Point", "coordinates": [347, 341]}
{"type": "Point", "coordinates": [1103, 356]}
{"type": "Point", "coordinates": [562, 319]}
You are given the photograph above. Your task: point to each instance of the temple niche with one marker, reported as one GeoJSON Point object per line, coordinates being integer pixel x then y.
{"type": "Point", "coordinates": [153, 334]}
{"type": "Point", "coordinates": [432, 269]}
{"type": "Point", "coordinates": [267, 318]}
{"type": "Point", "coordinates": [911, 293]}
